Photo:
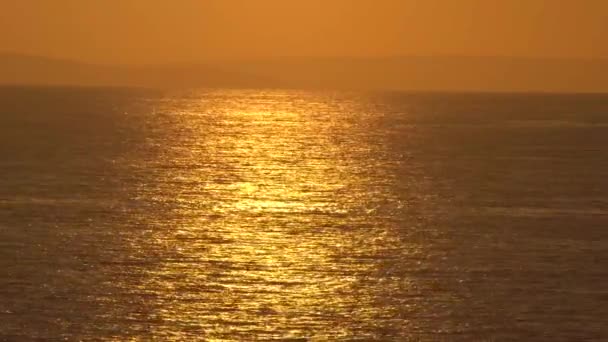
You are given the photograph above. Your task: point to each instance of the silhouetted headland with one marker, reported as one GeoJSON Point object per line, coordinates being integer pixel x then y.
{"type": "Point", "coordinates": [439, 73]}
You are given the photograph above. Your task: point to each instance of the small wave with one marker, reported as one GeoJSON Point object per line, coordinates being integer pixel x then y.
{"type": "Point", "coordinates": [542, 212]}
{"type": "Point", "coordinates": [551, 123]}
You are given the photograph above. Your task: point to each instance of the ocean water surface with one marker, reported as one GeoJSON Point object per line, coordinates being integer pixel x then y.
{"type": "Point", "coordinates": [284, 214]}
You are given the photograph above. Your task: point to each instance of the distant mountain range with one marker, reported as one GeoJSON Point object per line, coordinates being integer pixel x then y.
{"type": "Point", "coordinates": [445, 73]}
{"type": "Point", "coordinates": [34, 70]}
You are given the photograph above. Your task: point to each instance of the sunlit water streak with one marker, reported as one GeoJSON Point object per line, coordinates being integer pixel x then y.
{"type": "Point", "coordinates": [239, 215]}
{"type": "Point", "coordinates": [283, 185]}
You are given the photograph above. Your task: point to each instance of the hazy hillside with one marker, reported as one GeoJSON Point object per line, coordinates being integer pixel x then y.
{"type": "Point", "coordinates": [403, 73]}
{"type": "Point", "coordinates": [439, 73]}
{"type": "Point", "coordinates": [30, 70]}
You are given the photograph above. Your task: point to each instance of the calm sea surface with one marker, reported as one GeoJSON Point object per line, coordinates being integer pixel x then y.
{"type": "Point", "coordinates": [247, 214]}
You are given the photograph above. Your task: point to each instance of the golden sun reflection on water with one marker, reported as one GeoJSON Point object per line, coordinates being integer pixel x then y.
{"type": "Point", "coordinates": [247, 215]}
{"type": "Point", "coordinates": [274, 233]}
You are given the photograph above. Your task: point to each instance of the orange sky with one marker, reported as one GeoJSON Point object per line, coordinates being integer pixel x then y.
{"type": "Point", "coordinates": [164, 31]}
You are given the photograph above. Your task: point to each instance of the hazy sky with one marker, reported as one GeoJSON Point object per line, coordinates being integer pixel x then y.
{"type": "Point", "coordinates": [163, 31]}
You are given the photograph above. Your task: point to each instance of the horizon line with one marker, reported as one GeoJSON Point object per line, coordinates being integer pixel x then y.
{"type": "Point", "coordinates": [218, 60]}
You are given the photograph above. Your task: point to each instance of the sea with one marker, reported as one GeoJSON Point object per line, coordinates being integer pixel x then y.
{"type": "Point", "coordinates": [270, 214]}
